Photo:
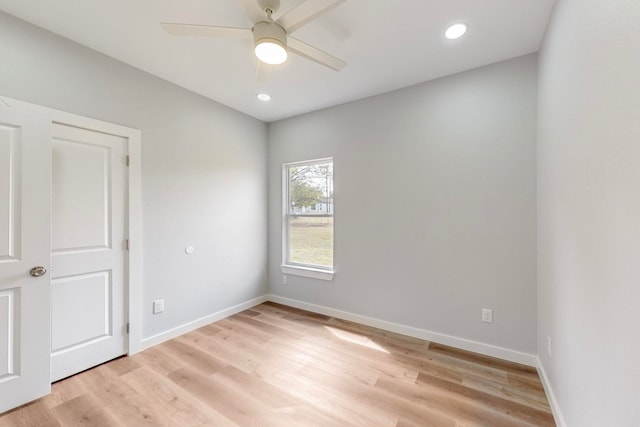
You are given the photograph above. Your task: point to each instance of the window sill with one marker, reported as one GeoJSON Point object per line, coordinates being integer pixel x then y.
{"type": "Point", "coordinates": [313, 273]}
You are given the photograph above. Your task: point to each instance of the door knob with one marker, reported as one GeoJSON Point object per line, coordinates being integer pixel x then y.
{"type": "Point", "coordinates": [38, 271]}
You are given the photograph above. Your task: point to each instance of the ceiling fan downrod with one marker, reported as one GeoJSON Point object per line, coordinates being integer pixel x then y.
{"type": "Point", "coordinates": [269, 7]}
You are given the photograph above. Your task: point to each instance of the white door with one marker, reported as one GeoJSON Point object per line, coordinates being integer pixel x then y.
{"type": "Point", "coordinates": [25, 212]}
{"type": "Point", "coordinates": [88, 316]}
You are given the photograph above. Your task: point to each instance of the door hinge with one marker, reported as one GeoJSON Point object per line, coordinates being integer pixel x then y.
{"type": "Point", "coordinates": [127, 327]}
{"type": "Point", "coordinates": [128, 159]}
{"type": "Point", "coordinates": [128, 244]}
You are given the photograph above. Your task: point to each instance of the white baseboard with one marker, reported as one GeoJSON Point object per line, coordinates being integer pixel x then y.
{"type": "Point", "coordinates": [198, 323]}
{"type": "Point", "coordinates": [551, 396]}
{"type": "Point", "coordinates": [461, 343]}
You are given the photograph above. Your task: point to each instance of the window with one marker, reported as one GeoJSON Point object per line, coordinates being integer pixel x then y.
{"type": "Point", "coordinates": [308, 219]}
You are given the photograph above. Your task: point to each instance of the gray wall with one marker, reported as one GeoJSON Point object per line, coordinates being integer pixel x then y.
{"type": "Point", "coordinates": [435, 204]}
{"type": "Point", "coordinates": [589, 211]}
{"type": "Point", "coordinates": [203, 173]}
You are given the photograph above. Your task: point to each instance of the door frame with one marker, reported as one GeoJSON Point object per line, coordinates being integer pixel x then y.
{"type": "Point", "coordinates": [133, 275]}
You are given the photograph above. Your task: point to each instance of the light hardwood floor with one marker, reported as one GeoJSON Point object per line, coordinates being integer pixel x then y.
{"type": "Point", "coordinates": [274, 365]}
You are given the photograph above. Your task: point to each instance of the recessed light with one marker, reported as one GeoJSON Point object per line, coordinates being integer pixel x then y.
{"type": "Point", "coordinates": [455, 31]}
{"type": "Point", "coordinates": [264, 97]}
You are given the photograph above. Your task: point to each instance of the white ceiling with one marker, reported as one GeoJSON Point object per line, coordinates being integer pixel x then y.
{"type": "Point", "coordinates": [386, 44]}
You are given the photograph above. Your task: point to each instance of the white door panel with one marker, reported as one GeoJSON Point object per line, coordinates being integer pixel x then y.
{"type": "Point", "coordinates": [94, 291]}
{"type": "Point", "coordinates": [25, 211]}
{"type": "Point", "coordinates": [9, 192]}
{"type": "Point", "coordinates": [8, 339]}
{"type": "Point", "coordinates": [81, 202]}
{"type": "Point", "coordinates": [88, 249]}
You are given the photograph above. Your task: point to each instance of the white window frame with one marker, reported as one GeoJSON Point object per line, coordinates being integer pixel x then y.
{"type": "Point", "coordinates": [293, 268]}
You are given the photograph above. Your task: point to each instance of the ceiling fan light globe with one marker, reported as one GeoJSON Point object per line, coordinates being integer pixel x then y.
{"type": "Point", "coordinates": [271, 51]}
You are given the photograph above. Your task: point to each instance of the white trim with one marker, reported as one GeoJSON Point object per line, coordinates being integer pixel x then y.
{"type": "Point", "coordinates": [133, 295]}
{"type": "Point", "coordinates": [305, 271]}
{"type": "Point", "coordinates": [551, 396]}
{"type": "Point", "coordinates": [135, 242]}
{"type": "Point", "coordinates": [198, 323]}
{"type": "Point", "coordinates": [314, 273]}
{"type": "Point", "coordinates": [285, 209]}
{"type": "Point", "coordinates": [461, 343]}
{"type": "Point", "coordinates": [309, 162]}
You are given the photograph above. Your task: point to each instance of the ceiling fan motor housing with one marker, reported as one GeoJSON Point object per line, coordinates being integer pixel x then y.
{"type": "Point", "coordinates": [269, 32]}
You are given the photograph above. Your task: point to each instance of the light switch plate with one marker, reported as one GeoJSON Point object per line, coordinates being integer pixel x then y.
{"type": "Point", "coordinates": [158, 306]}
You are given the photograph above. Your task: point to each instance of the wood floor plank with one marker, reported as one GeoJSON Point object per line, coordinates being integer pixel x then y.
{"type": "Point", "coordinates": [280, 403]}
{"type": "Point", "coordinates": [34, 414]}
{"type": "Point", "coordinates": [120, 401]}
{"type": "Point", "coordinates": [223, 349]}
{"type": "Point", "coordinates": [161, 359]}
{"type": "Point", "coordinates": [326, 398]}
{"type": "Point", "coordinates": [178, 406]}
{"type": "Point", "coordinates": [64, 391]}
{"type": "Point", "coordinates": [243, 409]}
{"type": "Point", "coordinates": [521, 413]}
{"type": "Point", "coordinates": [516, 394]}
{"type": "Point", "coordinates": [84, 410]}
{"type": "Point", "coordinates": [274, 365]}
{"type": "Point", "coordinates": [122, 365]}
{"type": "Point", "coordinates": [198, 359]}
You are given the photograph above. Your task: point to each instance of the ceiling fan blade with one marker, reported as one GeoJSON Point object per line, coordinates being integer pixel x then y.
{"type": "Point", "coordinates": [305, 12]}
{"type": "Point", "coordinates": [315, 54]}
{"type": "Point", "coordinates": [206, 31]}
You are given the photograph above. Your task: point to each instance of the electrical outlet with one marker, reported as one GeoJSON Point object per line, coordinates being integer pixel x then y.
{"type": "Point", "coordinates": [285, 279]}
{"type": "Point", "coordinates": [487, 315]}
{"type": "Point", "coordinates": [158, 306]}
{"type": "Point", "coordinates": [549, 346]}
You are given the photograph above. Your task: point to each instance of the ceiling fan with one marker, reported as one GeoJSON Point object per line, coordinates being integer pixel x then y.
{"type": "Point", "coordinates": [271, 38]}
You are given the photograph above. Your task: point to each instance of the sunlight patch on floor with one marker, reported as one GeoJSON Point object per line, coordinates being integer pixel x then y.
{"type": "Point", "coordinates": [355, 339]}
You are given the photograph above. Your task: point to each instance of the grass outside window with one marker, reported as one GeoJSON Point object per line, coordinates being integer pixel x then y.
{"type": "Point", "coordinates": [311, 240]}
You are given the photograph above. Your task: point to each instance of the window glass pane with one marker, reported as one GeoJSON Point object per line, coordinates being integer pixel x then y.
{"type": "Point", "coordinates": [310, 214]}
{"type": "Point", "coordinates": [311, 240]}
{"type": "Point", "coordinates": [311, 189]}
